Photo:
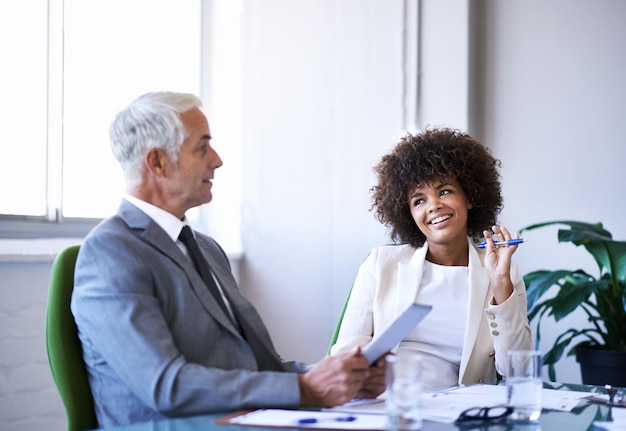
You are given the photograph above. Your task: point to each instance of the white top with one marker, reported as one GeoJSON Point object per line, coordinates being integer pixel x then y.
{"type": "Point", "coordinates": [439, 337]}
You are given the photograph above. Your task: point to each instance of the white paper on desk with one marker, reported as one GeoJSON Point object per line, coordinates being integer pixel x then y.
{"type": "Point", "coordinates": [559, 400]}
{"type": "Point", "coordinates": [551, 399]}
{"type": "Point", "coordinates": [326, 419]}
{"type": "Point", "coordinates": [395, 333]}
{"type": "Point", "coordinates": [369, 406]}
{"type": "Point", "coordinates": [445, 406]}
{"type": "Point", "coordinates": [436, 407]}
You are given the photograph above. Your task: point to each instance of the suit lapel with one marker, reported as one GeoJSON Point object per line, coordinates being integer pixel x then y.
{"type": "Point", "coordinates": [409, 280]}
{"type": "Point", "coordinates": [149, 231]}
{"type": "Point", "coordinates": [254, 331]}
{"type": "Point", "coordinates": [477, 296]}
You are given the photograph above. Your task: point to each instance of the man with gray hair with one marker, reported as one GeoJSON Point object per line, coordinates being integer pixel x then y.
{"type": "Point", "coordinates": [164, 328]}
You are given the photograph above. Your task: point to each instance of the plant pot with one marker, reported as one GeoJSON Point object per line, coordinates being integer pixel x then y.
{"type": "Point", "coordinates": [599, 366]}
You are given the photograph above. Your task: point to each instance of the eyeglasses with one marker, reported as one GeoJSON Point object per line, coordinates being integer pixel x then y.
{"type": "Point", "coordinates": [484, 414]}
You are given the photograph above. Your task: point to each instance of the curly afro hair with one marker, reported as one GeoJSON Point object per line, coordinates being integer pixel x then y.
{"type": "Point", "coordinates": [433, 155]}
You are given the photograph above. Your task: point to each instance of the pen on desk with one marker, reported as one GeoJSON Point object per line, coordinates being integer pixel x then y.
{"type": "Point", "coordinates": [497, 243]}
{"type": "Point", "coordinates": [318, 420]}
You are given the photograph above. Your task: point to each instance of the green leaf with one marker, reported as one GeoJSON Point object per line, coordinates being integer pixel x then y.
{"type": "Point", "coordinates": [552, 373]}
{"type": "Point", "coordinates": [555, 353]}
{"type": "Point", "coordinates": [574, 225]}
{"type": "Point", "coordinates": [541, 307]}
{"type": "Point", "coordinates": [610, 255]}
{"type": "Point", "coordinates": [572, 294]}
{"type": "Point", "coordinates": [582, 236]}
{"type": "Point", "coordinates": [538, 282]}
{"type": "Point", "coordinates": [575, 287]}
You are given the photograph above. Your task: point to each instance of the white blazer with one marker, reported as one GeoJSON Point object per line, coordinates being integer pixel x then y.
{"type": "Point", "coordinates": [388, 280]}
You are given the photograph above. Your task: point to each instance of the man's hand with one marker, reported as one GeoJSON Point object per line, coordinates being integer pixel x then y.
{"type": "Point", "coordinates": [374, 384]}
{"type": "Point", "coordinates": [334, 380]}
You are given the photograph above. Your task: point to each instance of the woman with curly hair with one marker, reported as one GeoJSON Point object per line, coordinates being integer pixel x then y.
{"type": "Point", "coordinates": [439, 193]}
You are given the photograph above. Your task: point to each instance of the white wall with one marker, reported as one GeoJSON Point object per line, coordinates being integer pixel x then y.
{"type": "Point", "coordinates": [540, 82]}
{"type": "Point", "coordinates": [322, 100]}
{"type": "Point", "coordinates": [29, 400]}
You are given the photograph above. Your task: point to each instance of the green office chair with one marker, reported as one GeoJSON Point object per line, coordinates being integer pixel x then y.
{"type": "Point", "coordinates": [65, 354]}
{"type": "Point", "coordinates": [335, 335]}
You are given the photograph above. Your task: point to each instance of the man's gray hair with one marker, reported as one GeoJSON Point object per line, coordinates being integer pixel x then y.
{"type": "Point", "coordinates": [150, 121]}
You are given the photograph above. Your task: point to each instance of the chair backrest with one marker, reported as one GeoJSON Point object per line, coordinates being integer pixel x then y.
{"type": "Point", "coordinates": [333, 338]}
{"type": "Point", "coordinates": [65, 354]}
{"type": "Point", "coordinates": [335, 335]}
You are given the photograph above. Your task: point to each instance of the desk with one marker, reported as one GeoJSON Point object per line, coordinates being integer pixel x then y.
{"type": "Point", "coordinates": [579, 419]}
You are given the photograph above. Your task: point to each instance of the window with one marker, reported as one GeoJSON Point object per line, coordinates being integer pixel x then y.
{"type": "Point", "coordinates": [113, 51]}
{"type": "Point", "coordinates": [23, 77]}
{"type": "Point", "coordinates": [74, 64]}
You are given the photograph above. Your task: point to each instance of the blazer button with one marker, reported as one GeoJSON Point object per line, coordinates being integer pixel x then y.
{"type": "Point", "coordinates": [492, 353]}
{"type": "Point", "coordinates": [493, 324]}
{"type": "Point", "coordinates": [492, 316]}
{"type": "Point", "coordinates": [495, 333]}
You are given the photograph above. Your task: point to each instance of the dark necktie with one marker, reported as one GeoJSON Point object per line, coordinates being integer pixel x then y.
{"type": "Point", "coordinates": [266, 360]}
{"type": "Point", "coordinates": [202, 266]}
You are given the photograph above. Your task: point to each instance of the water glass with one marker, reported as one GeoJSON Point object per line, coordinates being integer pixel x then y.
{"type": "Point", "coordinates": [404, 391]}
{"type": "Point", "coordinates": [524, 385]}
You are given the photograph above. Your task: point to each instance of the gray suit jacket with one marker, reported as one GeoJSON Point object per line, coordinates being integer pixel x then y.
{"type": "Point", "coordinates": [155, 342]}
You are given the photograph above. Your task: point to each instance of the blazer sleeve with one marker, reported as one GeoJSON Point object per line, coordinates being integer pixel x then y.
{"type": "Point", "coordinates": [508, 322]}
{"type": "Point", "coordinates": [357, 325]}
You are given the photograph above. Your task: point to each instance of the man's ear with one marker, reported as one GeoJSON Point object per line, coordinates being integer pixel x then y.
{"type": "Point", "coordinates": [156, 162]}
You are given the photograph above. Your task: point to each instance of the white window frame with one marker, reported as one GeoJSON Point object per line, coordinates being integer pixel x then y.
{"type": "Point", "coordinates": [52, 224]}
{"type": "Point", "coordinates": [33, 238]}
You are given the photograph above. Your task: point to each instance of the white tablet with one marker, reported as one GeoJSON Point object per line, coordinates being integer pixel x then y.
{"type": "Point", "coordinates": [392, 336]}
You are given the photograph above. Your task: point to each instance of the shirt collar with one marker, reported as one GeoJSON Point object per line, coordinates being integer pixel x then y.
{"type": "Point", "coordinates": [166, 220]}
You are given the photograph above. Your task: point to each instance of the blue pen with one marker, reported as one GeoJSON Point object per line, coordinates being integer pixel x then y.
{"type": "Point", "coordinates": [497, 243]}
{"type": "Point", "coordinates": [305, 421]}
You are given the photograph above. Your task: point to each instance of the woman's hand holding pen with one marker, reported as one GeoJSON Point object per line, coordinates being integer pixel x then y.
{"type": "Point", "coordinates": [498, 263]}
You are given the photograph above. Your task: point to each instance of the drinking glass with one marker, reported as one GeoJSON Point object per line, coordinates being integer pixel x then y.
{"type": "Point", "coordinates": [404, 391]}
{"type": "Point", "coordinates": [524, 385]}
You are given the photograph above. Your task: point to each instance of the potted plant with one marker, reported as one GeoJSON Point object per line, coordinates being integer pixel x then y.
{"type": "Point", "coordinates": [602, 297]}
